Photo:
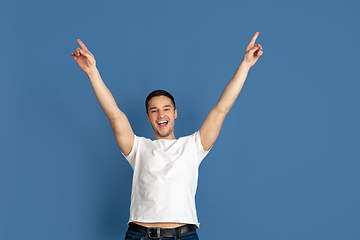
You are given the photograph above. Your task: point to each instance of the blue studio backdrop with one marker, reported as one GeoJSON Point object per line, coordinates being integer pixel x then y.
{"type": "Point", "coordinates": [286, 163]}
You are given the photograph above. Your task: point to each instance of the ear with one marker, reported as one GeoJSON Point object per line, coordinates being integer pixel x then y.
{"type": "Point", "coordinates": [175, 113]}
{"type": "Point", "coordinates": [147, 116]}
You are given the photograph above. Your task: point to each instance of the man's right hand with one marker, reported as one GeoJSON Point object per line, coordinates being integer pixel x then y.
{"type": "Point", "coordinates": [84, 58]}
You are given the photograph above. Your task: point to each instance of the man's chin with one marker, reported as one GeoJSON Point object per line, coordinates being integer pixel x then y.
{"type": "Point", "coordinates": [164, 135]}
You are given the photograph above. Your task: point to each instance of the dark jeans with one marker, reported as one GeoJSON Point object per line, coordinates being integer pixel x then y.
{"type": "Point", "coordinates": [137, 236]}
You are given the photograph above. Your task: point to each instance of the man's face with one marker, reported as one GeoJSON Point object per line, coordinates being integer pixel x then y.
{"type": "Point", "coordinates": [161, 114]}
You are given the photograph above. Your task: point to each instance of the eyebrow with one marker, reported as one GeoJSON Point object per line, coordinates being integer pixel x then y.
{"type": "Point", "coordinates": [169, 105]}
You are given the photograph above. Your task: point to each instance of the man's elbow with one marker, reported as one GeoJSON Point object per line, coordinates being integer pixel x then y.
{"type": "Point", "coordinates": [115, 115]}
{"type": "Point", "coordinates": [222, 110]}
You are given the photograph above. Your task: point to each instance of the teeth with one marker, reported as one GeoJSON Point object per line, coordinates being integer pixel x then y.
{"type": "Point", "coordinates": [162, 122]}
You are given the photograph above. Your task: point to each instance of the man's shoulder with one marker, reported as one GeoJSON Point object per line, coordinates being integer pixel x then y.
{"type": "Point", "coordinates": [193, 135]}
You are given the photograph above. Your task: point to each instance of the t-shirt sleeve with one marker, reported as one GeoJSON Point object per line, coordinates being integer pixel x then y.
{"type": "Point", "coordinates": [200, 149]}
{"type": "Point", "coordinates": [131, 157]}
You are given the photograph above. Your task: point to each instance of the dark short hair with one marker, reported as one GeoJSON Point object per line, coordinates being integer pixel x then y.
{"type": "Point", "coordinates": [158, 93]}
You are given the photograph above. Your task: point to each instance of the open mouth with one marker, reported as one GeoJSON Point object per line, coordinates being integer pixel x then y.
{"type": "Point", "coordinates": [162, 123]}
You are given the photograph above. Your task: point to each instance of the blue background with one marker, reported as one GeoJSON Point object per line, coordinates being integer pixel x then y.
{"type": "Point", "coordinates": [286, 163]}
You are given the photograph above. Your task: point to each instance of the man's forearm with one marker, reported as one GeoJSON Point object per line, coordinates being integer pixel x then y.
{"type": "Point", "coordinates": [233, 88]}
{"type": "Point", "coordinates": [103, 95]}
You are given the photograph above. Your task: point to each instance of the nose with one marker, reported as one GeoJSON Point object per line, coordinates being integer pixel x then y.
{"type": "Point", "coordinates": [161, 113]}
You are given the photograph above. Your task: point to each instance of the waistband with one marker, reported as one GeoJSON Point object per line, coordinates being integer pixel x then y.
{"type": "Point", "coordinates": [157, 233]}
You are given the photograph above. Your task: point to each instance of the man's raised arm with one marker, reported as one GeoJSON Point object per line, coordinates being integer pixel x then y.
{"type": "Point", "coordinates": [119, 122]}
{"type": "Point", "coordinates": [210, 129]}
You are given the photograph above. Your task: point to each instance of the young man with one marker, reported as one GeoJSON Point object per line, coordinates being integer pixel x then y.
{"type": "Point", "coordinates": [166, 169]}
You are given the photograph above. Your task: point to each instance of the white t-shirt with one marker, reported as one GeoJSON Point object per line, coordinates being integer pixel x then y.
{"type": "Point", "coordinates": [165, 179]}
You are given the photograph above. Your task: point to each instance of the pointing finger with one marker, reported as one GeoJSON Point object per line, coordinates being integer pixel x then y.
{"type": "Point", "coordinates": [252, 42]}
{"type": "Point", "coordinates": [254, 38]}
{"type": "Point", "coordinates": [81, 44]}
